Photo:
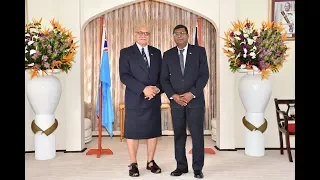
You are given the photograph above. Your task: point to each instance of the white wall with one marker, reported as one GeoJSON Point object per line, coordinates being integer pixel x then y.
{"type": "Point", "coordinates": [75, 14]}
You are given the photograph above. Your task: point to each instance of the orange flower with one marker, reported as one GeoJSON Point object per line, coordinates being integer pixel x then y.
{"type": "Point", "coordinates": [267, 25]}
{"type": "Point", "coordinates": [265, 74]}
{"type": "Point", "coordinates": [34, 72]}
{"type": "Point", "coordinates": [248, 66]}
{"type": "Point", "coordinates": [45, 31]}
{"type": "Point", "coordinates": [227, 52]}
{"type": "Point", "coordinates": [34, 21]}
{"type": "Point", "coordinates": [237, 25]}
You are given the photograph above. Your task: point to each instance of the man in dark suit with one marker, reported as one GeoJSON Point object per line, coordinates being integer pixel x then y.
{"type": "Point", "coordinates": [140, 67]}
{"type": "Point", "coordinates": [184, 74]}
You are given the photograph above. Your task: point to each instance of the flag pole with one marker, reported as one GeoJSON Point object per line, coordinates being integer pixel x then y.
{"type": "Point", "coordinates": [99, 150]}
{"type": "Point", "coordinates": [199, 22]}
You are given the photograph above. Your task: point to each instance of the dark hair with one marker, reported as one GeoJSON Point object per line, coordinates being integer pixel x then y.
{"type": "Point", "coordinates": [180, 26]}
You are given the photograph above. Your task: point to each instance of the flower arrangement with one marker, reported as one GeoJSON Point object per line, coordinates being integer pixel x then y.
{"type": "Point", "coordinates": [261, 50]}
{"type": "Point", "coordinates": [48, 49]}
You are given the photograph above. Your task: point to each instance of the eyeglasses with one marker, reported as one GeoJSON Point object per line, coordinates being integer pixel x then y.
{"type": "Point", "coordinates": [140, 33]}
{"type": "Point", "coordinates": [179, 33]}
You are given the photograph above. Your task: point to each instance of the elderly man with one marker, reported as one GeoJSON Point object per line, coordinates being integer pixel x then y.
{"type": "Point", "coordinates": [139, 67]}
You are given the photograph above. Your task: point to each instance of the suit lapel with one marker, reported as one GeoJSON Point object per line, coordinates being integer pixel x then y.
{"type": "Point", "coordinates": [188, 59]}
{"type": "Point", "coordinates": [137, 56]}
{"type": "Point", "coordinates": [152, 60]}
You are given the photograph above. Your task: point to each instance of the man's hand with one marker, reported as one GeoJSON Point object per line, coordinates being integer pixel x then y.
{"type": "Point", "coordinates": [157, 90]}
{"type": "Point", "coordinates": [186, 97]}
{"type": "Point", "coordinates": [178, 99]}
{"type": "Point", "coordinates": [150, 92]}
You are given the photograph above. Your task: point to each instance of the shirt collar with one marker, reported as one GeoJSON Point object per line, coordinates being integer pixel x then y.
{"type": "Point", "coordinates": [185, 48]}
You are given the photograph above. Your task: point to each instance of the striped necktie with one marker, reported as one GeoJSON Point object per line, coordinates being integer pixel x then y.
{"type": "Point", "coordinates": [145, 57]}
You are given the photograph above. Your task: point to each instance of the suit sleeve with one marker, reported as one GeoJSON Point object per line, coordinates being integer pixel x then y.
{"type": "Point", "coordinates": [165, 77]}
{"type": "Point", "coordinates": [126, 76]}
{"type": "Point", "coordinates": [203, 74]}
{"type": "Point", "coordinates": [160, 64]}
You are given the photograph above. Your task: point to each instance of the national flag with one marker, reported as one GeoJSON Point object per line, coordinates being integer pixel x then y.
{"type": "Point", "coordinates": [107, 107]}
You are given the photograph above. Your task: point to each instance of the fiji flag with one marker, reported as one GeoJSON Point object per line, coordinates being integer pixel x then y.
{"type": "Point", "coordinates": [107, 107]}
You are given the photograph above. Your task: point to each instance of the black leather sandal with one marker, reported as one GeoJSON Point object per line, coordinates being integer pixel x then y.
{"type": "Point", "coordinates": [154, 168]}
{"type": "Point", "coordinates": [134, 171]}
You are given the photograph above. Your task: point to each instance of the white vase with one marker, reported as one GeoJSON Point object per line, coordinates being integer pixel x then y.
{"type": "Point", "coordinates": [44, 94]}
{"type": "Point", "coordinates": [255, 94]}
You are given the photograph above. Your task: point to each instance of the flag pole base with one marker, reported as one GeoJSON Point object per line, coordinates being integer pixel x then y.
{"type": "Point", "coordinates": [206, 151]}
{"type": "Point", "coordinates": [98, 152]}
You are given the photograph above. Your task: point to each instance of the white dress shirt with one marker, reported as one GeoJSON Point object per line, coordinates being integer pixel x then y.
{"type": "Point", "coordinates": [146, 51]}
{"type": "Point", "coordinates": [184, 54]}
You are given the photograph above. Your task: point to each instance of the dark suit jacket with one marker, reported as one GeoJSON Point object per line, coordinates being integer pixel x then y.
{"type": "Point", "coordinates": [136, 76]}
{"type": "Point", "coordinates": [196, 75]}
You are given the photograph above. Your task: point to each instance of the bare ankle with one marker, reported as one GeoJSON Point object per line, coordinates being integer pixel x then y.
{"type": "Point", "coordinates": [133, 164]}
{"type": "Point", "coordinates": [150, 163]}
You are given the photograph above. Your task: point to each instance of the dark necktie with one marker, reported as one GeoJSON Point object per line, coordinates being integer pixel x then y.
{"type": "Point", "coordinates": [181, 61]}
{"type": "Point", "coordinates": [145, 57]}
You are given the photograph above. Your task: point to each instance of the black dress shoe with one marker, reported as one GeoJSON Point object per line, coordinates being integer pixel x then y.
{"type": "Point", "coordinates": [178, 172]}
{"type": "Point", "coordinates": [134, 171]}
{"type": "Point", "coordinates": [198, 174]}
{"type": "Point", "coordinates": [154, 168]}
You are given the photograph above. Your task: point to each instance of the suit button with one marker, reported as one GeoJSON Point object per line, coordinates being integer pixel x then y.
{"type": "Point", "coordinates": [182, 80]}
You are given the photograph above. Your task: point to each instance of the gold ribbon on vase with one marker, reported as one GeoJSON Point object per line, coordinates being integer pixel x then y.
{"type": "Point", "coordinates": [35, 128]}
{"type": "Point", "coordinates": [251, 127]}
